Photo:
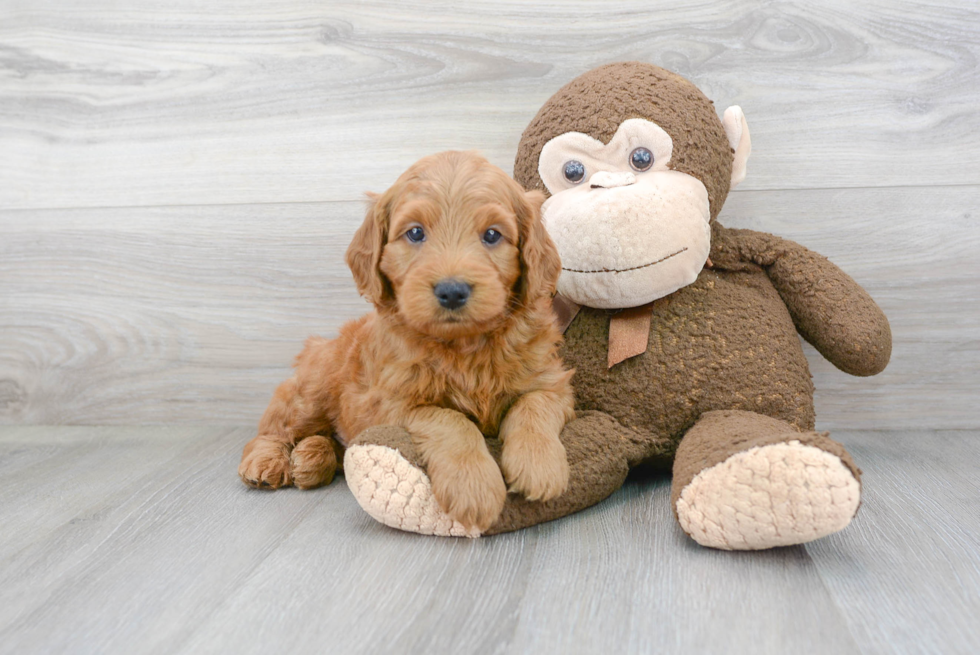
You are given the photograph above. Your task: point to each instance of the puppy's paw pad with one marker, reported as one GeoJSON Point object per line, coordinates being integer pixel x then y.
{"type": "Point", "coordinates": [777, 495]}
{"type": "Point", "coordinates": [396, 493]}
{"type": "Point", "coordinates": [266, 466]}
{"type": "Point", "coordinates": [535, 467]}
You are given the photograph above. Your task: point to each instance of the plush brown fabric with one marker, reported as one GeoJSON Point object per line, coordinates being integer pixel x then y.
{"type": "Point", "coordinates": [729, 340]}
{"type": "Point", "coordinates": [720, 434]}
{"type": "Point", "coordinates": [596, 102]}
{"type": "Point", "coordinates": [829, 309]}
{"type": "Point", "coordinates": [724, 342]}
{"type": "Point", "coordinates": [598, 467]}
{"type": "Point", "coordinates": [394, 437]}
{"type": "Point", "coordinates": [723, 355]}
{"type": "Point", "coordinates": [600, 453]}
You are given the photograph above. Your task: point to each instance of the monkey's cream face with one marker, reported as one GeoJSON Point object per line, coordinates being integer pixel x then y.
{"type": "Point", "coordinates": [629, 230]}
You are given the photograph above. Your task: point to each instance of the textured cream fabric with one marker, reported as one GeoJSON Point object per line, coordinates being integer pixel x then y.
{"type": "Point", "coordinates": [628, 245]}
{"type": "Point", "coordinates": [626, 237]}
{"type": "Point", "coordinates": [396, 493]}
{"type": "Point", "coordinates": [768, 496]}
{"type": "Point", "coordinates": [599, 157]}
{"type": "Point", "coordinates": [737, 130]}
{"type": "Point", "coordinates": [607, 180]}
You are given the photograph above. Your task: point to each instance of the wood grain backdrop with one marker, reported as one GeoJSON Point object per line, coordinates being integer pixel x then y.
{"type": "Point", "coordinates": [178, 183]}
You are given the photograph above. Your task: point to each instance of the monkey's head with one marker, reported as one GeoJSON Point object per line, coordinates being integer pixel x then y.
{"type": "Point", "coordinates": [637, 165]}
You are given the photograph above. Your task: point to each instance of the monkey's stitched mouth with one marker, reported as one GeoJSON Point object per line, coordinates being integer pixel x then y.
{"type": "Point", "coordinates": [624, 270]}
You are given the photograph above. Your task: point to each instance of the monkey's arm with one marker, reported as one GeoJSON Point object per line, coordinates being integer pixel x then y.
{"type": "Point", "coordinates": [830, 310]}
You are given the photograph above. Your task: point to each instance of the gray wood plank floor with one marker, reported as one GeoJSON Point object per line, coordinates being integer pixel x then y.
{"type": "Point", "coordinates": [142, 540]}
{"type": "Point", "coordinates": [236, 101]}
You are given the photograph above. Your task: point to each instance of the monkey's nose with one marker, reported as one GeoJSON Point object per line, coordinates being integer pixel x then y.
{"type": "Point", "coordinates": [452, 294]}
{"type": "Point", "coordinates": [607, 180]}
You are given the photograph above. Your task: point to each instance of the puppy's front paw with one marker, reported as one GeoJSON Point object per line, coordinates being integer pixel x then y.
{"type": "Point", "coordinates": [468, 487]}
{"type": "Point", "coordinates": [534, 465]}
{"type": "Point", "coordinates": [265, 464]}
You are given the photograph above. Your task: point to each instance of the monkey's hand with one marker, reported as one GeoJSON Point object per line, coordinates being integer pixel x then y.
{"type": "Point", "coordinates": [830, 310]}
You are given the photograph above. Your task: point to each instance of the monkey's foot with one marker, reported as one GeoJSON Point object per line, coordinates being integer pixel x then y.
{"type": "Point", "coordinates": [386, 476]}
{"type": "Point", "coordinates": [794, 489]}
{"type": "Point", "coordinates": [383, 473]}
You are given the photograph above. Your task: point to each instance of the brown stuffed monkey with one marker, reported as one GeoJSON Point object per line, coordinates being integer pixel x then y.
{"type": "Point", "coordinates": [683, 333]}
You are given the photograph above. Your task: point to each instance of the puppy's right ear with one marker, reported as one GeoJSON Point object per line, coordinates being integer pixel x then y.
{"type": "Point", "coordinates": [364, 253]}
{"type": "Point", "coordinates": [540, 264]}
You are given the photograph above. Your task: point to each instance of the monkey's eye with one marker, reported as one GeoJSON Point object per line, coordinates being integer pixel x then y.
{"type": "Point", "coordinates": [415, 235]}
{"type": "Point", "coordinates": [641, 159]}
{"type": "Point", "coordinates": [574, 171]}
{"type": "Point", "coordinates": [491, 237]}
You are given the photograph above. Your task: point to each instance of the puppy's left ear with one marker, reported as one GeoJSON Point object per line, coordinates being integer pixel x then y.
{"type": "Point", "coordinates": [364, 253]}
{"type": "Point", "coordinates": [540, 264]}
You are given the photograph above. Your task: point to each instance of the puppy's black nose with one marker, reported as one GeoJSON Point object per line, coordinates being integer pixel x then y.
{"type": "Point", "coordinates": [452, 294]}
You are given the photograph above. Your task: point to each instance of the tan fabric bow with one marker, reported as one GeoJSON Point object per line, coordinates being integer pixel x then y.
{"type": "Point", "coordinates": [629, 329]}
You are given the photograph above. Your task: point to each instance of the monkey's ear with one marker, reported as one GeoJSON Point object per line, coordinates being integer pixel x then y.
{"type": "Point", "coordinates": [738, 137]}
{"type": "Point", "coordinates": [364, 253]}
{"type": "Point", "coordinates": [540, 264]}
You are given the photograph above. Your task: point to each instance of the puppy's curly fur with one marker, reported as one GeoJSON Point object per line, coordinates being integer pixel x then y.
{"type": "Point", "coordinates": [448, 373]}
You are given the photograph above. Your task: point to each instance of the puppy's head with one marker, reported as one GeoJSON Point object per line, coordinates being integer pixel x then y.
{"type": "Point", "coordinates": [454, 246]}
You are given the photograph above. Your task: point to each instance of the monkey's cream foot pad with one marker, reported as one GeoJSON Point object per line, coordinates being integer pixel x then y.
{"type": "Point", "coordinates": [777, 495]}
{"type": "Point", "coordinates": [397, 493]}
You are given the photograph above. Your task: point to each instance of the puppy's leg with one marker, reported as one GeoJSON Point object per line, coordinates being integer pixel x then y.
{"type": "Point", "coordinates": [296, 415]}
{"type": "Point", "coordinates": [465, 479]}
{"type": "Point", "coordinates": [533, 459]}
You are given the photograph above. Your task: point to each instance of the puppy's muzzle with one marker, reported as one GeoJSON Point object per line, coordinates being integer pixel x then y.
{"type": "Point", "coordinates": [452, 294]}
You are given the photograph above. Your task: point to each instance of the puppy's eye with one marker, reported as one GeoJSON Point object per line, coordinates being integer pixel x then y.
{"type": "Point", "coordinates": [415, 235]}
{"type": "Point", "coordinates": [574, 171]}
{"type": "Point", "coordinates": [641, 159]}
{"type": "Point", "coordinates": [491, 237]}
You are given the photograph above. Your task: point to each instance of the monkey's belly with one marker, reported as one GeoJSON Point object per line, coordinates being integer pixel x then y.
{"type": "Point", "coordinates": [725, 342]}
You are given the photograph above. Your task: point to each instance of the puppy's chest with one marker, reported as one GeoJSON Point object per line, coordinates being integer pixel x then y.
{"type": "Point", "coordinates": [484, 391]}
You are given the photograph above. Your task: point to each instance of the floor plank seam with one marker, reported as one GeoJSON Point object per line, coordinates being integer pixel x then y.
{"type": "Point", "coordinates": [360, 200]}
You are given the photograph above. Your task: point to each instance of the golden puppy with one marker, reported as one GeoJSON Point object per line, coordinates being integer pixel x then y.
{"type": "Point", "coordinates": [462, 344]}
